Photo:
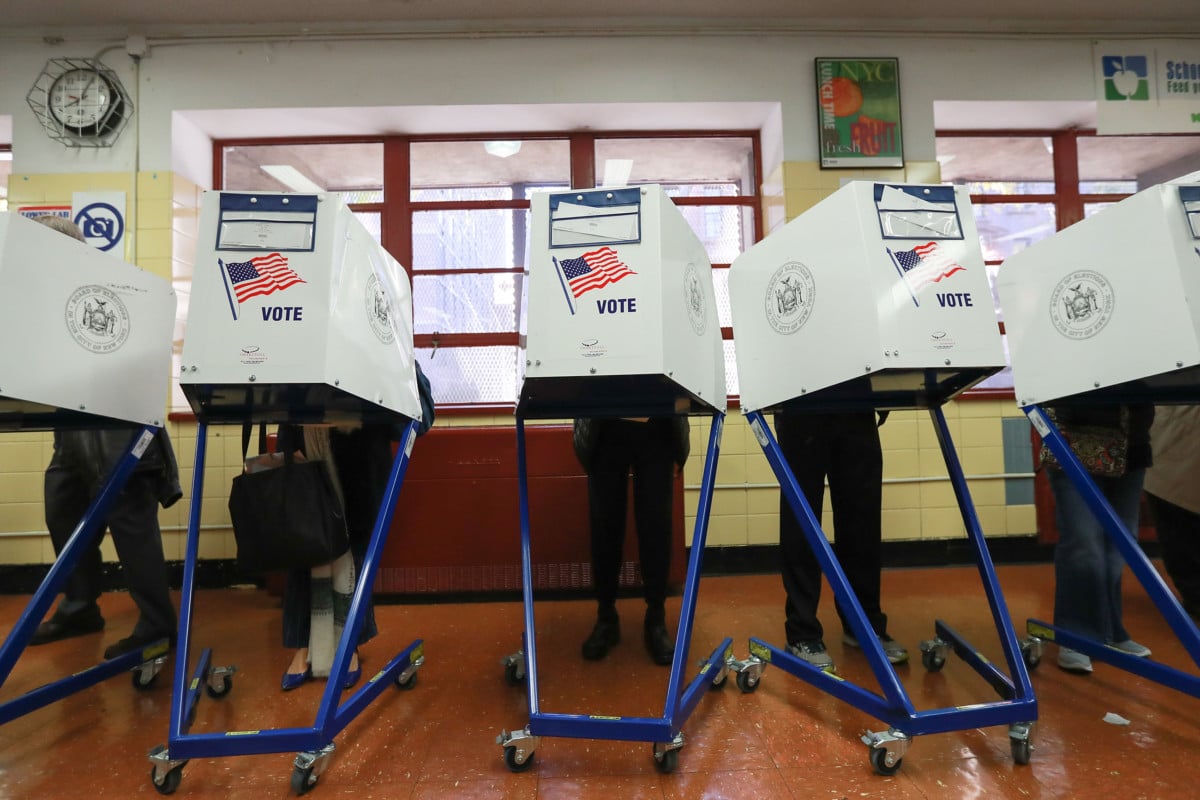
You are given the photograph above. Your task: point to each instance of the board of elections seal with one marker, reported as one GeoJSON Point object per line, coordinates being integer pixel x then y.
{"type": "Point", "coordinates": [97, 319]}
{"type": "Point", "coordinates": [791, 292]}
{"type": "Point", "coordinates": [693, 299]}
{"type": "Point", "coordinates": [379, 310]}
{"type": "Point", "coordinates": [1081, 304]}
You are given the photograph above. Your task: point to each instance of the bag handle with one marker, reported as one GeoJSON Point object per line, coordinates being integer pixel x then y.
{"type": "Point", "coordinates": [262, 438]}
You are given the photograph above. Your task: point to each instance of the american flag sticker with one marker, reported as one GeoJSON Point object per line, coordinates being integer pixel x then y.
{"type": "Point", "coordinates": [924, 265]}
{"type": "Point", "coordinates": [261, 275]}
{"type": "Point", "coordinates": [592, 270]}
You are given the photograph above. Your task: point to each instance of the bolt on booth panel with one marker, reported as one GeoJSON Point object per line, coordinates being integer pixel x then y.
{"type": "Point", "coordinates": [876, 299]}
{"type": "Point", "coordinates": [297, 315]}
{"type": "Point", "coordinates": [621, 321]}
{"type": "Point", "coordinates": [1104, 312]}
{"type": "Point", "coordinates": [87, 344]}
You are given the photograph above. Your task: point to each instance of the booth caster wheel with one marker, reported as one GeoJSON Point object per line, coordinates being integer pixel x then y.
{"type": "Point", "coordinates": [166, 774]}
{"type": "Point", "coordinates": [1020, 739]}
{"type": "Point", "coordinates": [932, 661]}
{"type": "Point", "coordinates": [514, 675]}
{"type": "Point", "coordinates": [880, 762]}
{"type": "Point", "coordinates": [747, 682]}
{"type": "Point", "coordinates": [406, 683]}
{"type": "Point", "coordinates": [517, 761]}
{"type": "Point", "coordinates": [302, 780]}
{"type": "Point", "coordinates": [1031, 651]}
{"type": "Point", "coordinates": [219, 689]}
{"type": "Point", "coordinates": [667, 762]}
{"type": "Point", "coordinates": [720, 682]}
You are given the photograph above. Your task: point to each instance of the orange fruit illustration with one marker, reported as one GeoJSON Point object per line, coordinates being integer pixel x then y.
{"type": "Point", "coordinates": [847, 97]}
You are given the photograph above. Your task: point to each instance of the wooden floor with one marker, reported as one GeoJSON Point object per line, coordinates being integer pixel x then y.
{"type": "Point", "coordinates": [784, 740]}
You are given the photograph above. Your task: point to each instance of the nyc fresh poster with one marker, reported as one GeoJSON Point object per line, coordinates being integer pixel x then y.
{"type": "Point", "coordinates": [858, 112]}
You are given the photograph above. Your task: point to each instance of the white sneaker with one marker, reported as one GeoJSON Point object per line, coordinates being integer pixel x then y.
{"type": "Point", "coordinates": [1131, 647]}
{"type": "Point", "coordinates": [1073, 660]}
{"type": "Point", "coordinates": [814, 653]}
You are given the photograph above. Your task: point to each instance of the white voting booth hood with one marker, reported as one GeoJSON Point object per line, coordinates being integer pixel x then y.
{"type": "Point", "coordinates": [296, 314]}
{"type": "Point", "coordinates": [1108, 306]}
{"type": "Point", "coordinates": [86, 337]}
{"type": "Point", "coordinates": [620, 308]}
{"type": "Point", "coordinates": [874, 297]}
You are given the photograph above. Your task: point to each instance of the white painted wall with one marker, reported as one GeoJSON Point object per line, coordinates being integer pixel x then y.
{"type": "Point", "coordinates": [393, 85]}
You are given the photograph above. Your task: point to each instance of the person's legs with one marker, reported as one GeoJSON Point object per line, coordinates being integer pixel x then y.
{"type": "Point", "coordinates": [138, 541]}
{"type": "Point", "coordinates": [806, 455]}
{"type": "Point", "coordinates": [66, 501]}
{"type": "Point", "coordinates": [1124, 495]}
{"type": "Point", "coordinates": [1081, 597]}
{"type": "Point", "coordinates": [653, 483]}
{"type": "Point", "coordinates": [1179, 535]}
{"type": "Point", "coordinates": [607, 507]}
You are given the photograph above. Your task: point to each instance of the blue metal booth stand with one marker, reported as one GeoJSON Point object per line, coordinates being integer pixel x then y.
{"type": "Point", "coordinates": [845, 309]}
{"type": "Point", "coordinates": [622, 322]}
{"type": "Point", "coordinates": [298, 316]}
{"type": "Point", "coordinates": [87, 346]}
{"type": "Point", "coordinates": [1104, 313]}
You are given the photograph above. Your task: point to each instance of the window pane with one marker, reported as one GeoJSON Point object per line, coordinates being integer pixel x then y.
{"type": "Point", "coordinates": [1121, 164]}
{"type": "Point", "coordinates": [1094, 208]}
{"type": "Point", "coordinates": [471, 374]}
{"type": "Point", "coordinates": [725, 231]}
{"type": "Point", "coordinates": [998, 164]}
{"type": "Point", "coordinates": [453, 165]}
{"type": "Point", "coordinates": [468, 303]}
{"type": "Point", "coordinates": [721, 290]}
{"type": "Point", "coordinates": [1007, 228]}
{"type": "Point", "coordinates": [372, 222]}
{"type": "Point", "coordinates": [355, 169]}
{"type": "Point", "coordinates": [732, 388]}
{"type": "Point", "coordinates": [724, 161]}
{"type": "Point", "coordinates": [469, 239]}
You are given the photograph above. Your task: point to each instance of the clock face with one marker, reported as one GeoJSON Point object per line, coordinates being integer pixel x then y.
{"type": "Point", "coordinates": [81, 99]}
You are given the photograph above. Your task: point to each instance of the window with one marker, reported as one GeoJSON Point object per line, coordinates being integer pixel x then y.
{"type": "Point", "coordinates": [1026, 186]}
{"type": "Point", "coordinates": [455, 212]}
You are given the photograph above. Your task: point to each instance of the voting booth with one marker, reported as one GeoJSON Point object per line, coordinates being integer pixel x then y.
{"type": "Point", "coordinates": [621, 308]}
{"type": "Point", "coordinates": [105, 327]}
{"type": "Point", "coordinates": [1105, 312]}
{"type": "Point", "coordinates": [621, 322]}
{"type": "Point", "coordinates": [297, 315]}
{"type": "Point", "coordinates": [876, 298]}
{"type": "Point", "coordinates": [86, 344]}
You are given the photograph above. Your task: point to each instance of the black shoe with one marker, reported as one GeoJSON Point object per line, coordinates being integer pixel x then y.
{"type": "Point", "coordinates": [136, 641]}
{"type": "Point", "coordinates": [64, 626]}
{"type": "Point", "coordinates": [603, 638]}
{"type": "Point", "coordinates": [660, 645]}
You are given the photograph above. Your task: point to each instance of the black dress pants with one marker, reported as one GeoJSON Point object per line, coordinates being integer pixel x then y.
{"type": "Point", "coordinates": [646, 449]}
{"type": "Point", "coordinates": [845, 448]}
{"type": "Point", "coordinates": [133, 523]}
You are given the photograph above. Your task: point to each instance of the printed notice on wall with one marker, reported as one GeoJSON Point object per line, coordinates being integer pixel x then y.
{"type": "Point", "coordinates": [858, 112]}
{"type": "Point", "coordinates": [1147, 86]}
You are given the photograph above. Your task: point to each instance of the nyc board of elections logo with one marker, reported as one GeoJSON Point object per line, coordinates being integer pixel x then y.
{"type": "Point", "coordinates": [379, 311]}
{"type": "Point", "coordinates": [1081, 304]}
{"type": "Point", "coordinates": [693, 299]}
{"type": "Point", "coordinates": [97, 319]}
{"type": "Point", "coordinates": [1125, 77]}
{"type": "Point", "coordinates": [790, 295]}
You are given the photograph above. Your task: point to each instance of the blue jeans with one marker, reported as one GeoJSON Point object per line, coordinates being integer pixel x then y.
{"type": "Point", "coordinates": [1087, 563]}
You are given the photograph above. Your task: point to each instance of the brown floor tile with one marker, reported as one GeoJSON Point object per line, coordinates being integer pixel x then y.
{"type": "Point", "coordinates": [785, 740]}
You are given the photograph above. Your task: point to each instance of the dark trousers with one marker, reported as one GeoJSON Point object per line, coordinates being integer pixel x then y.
{"type": "Point", "coordinates": [845, 448]}
{"type": "Point", "coordinates": [133, 522]}
{"type": "Point", "coordinates": [646, 449]}
{"type": "Point", "coordinates": [1179, 534]}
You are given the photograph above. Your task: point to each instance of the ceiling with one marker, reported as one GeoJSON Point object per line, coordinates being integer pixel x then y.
{"type": "Point", "coordinates": [155, 18]}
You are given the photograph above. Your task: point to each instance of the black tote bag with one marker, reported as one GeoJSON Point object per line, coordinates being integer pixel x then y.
{"type": "Point", "coordinates": [287, 517]}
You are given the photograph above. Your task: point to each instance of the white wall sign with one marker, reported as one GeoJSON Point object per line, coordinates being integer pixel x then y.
{"type": "Point", "coordinates": [1147, 86]}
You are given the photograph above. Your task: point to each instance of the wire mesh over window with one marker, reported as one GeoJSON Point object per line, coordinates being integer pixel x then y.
{"type": "Point", "coordinates": [466, 303]}
{"type": "Point", "coordinates": [469, 375]}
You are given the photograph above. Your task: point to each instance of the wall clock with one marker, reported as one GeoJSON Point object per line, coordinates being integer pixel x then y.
{"type": "Point", "coordinates": [80, 102]}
